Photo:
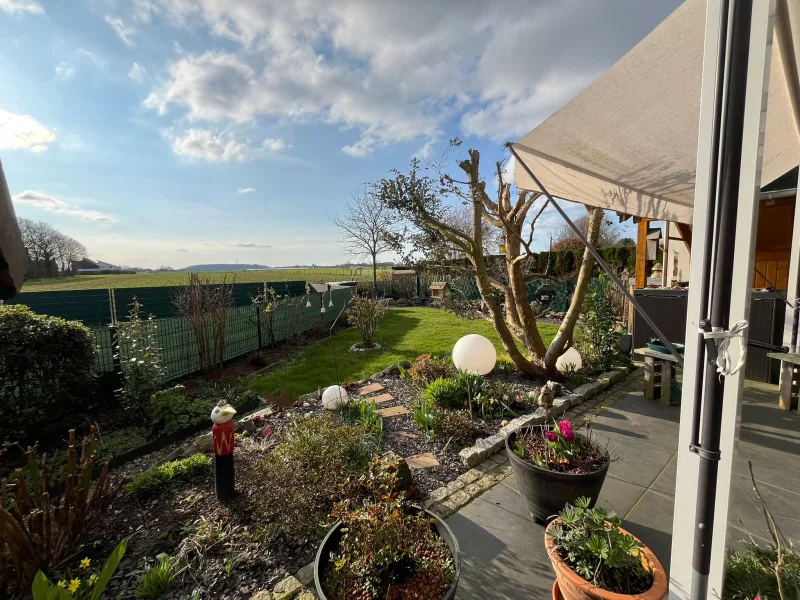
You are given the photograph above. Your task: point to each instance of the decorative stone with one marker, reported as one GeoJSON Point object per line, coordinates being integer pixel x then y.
{"type": "Point", "coordinates": [358, 347]}
{"type": "Point", "coordinates": [306, 574]}
{"type": "Point", "coordinates": [287, 589]}
{"type": "Point", "coordinates": [381, 398]}
{"type": "Point", "coordinates": [454, 486]}
{"type": "Point", "coordinates": [468, 477]}
{"type": "Point", "coordinates": [370, 389]}
{"type": "Point", "coordinates": [391, 370]}
{"type": "Point", "coordinates": [439, 494]}
{"type": "Point", "coordinates": [307, 595]}
{"type": "Point", "coordinates": [334, 396]}
{"type": "Point", "coordinates": [405, 364]}
{"type": "Point", "coordinates": [422, 461]}
{"type": "Point", "coordinates": [262, 595]}
{"type": "Point", "coordinates": [393, 411]}
{"type": "Point", "coordinates": [496, 442]}
{"type": "Point", "coordinates": [472, 456]}
{"type": "Point", "coordinates": [457, 500]}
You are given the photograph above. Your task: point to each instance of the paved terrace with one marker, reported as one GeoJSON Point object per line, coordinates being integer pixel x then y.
{"type": "Point", "coordinates": [503, 549]}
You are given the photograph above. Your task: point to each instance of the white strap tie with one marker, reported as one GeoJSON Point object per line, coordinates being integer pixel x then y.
{"type": "Point", "coordinates": [722, 339]}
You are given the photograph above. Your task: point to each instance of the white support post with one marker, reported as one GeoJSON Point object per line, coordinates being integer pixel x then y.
{"type": "Point", "coordinates": [787, 369]}
{"type": "Point", "coordinates": [749, 183]}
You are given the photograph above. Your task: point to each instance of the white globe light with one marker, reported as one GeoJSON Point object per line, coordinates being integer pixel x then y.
{"type": "Point", "coordinates": [572, 358]}
{"type": "Point", "coordinates": [333, 397]}
{"type": "Point", "coordinates": [474, 353]}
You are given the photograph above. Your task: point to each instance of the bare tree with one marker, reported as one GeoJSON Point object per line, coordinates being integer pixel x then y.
{"type": "Point", "coordinates": [368, 227]}
{"type": "Point", "coordinates": [69, 250]}
{"type": "Point", "coordinates": [49, 250]}
{"type": "Point", "coordinates": [419, 198]}
{"type": "Point", "coordinates": [564, 238]}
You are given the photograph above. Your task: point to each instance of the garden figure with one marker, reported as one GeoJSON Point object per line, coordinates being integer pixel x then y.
{"type": "Point", "coordinates": [222, 433]}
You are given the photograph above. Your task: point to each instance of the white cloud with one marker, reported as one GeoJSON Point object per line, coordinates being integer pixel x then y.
{"type": "Point", "coordinates": [137, 73]}
{"type": "Point", "coordinates": [274, 144]}
{"type": "Point", "coordinates": [208, 145]}
{"type": "Point", "coordinates": [20, 132]}
{"type": "Point", "coordinates": [18, 7]}
{"type": "Point", "coordinates": [52, 204]}
{"type": "Point", "coordinates": [65, 71]}
{"type": "Point", "coordinates": [124, 32]}
{"type": "Point", "coordinates": [247, 190]}
{"type": "Point", "coordinates": [94, 58]}
{"type": "Point", "coordinates": [394, 72]}
{"type": "Point", "coordinates": [248, 245]}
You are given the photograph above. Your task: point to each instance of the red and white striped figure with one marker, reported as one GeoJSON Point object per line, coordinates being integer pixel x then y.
{"type": "Point", "coordinates": [222, 434]}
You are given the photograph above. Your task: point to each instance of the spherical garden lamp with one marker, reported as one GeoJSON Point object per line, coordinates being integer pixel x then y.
{"type": "Point", "coordinates": [333, 397]}
{"type": "Point", "coordinates": [474, 353]}
{"type": "Point", "coordinates": [569, 361]}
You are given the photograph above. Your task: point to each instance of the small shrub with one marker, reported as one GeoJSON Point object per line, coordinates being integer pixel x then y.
{"type": "Point", "coordinates": [41, 528]}
{"type": "Point", "coordinates": [157, 579]}
{"type": "Point", "coordinates": [172, 410]}
{"type": "Point", "coordinates": [456, 425]}
{"type": "Point", "coordinates": [365, 315]}
{"type": "Point", "coordinates": [292, 484]}
{"type": "Point", "coordinates": [123, 440]}
{"type": "Point", "coordinates": [140, 359]}
{"type": "Point", "coordinates": [160, 478]}
{"type": "Point", "coordinates": [471, 383]}
{"type": "Point", "coordinates": [85, 586]}
{"type": "Point", "coordinates": [427, 368]}
{"type": "Point", "coordinates": [598, 326]}
{"type": "Point", "coordinates": [750, 572]}
{"type": "Point", "coordinates": [504, 398]}
{"type": "Point", "coordinates": [425, 417]}
{"type": "Point", "coordinates": [592, 544]}
{"type": "Point", "coordinates": [445, 393]}
{"type": "Point", "coordinates": [369, 418]}
{"type": "Point", "coordinates": [505, 365]}
{"type": "Point", "coordinates": [46, 371]}
{"type": "Point", "coordinates": [386, 547]}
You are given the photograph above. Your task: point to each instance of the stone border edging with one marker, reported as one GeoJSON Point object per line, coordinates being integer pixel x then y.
{"type": "Point", "coordinates": [486, 447]}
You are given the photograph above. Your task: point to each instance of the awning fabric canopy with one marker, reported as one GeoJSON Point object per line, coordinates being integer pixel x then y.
{"type": "Point", "coordinates": [628, 142]}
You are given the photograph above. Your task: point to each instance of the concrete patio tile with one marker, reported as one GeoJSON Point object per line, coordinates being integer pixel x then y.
{"type": "Point", "coordinates": [665, 482]}
{"type": "Point", "coordinates": [636, 462]}
{"type": "Point", "coordinates": [782, 503]}
{"type": "Point", "coordinates": [422, 461]}
{"type": "Point", "coordinates": [503, 554]}
{"type": "Point", "coordinates": [619, 496]}
{"type": "Point", "coordinates": [370, 389]}
{"type": "Point", "coordinates": [393, 411]}
{"type": "Point", "coordinates": [651, 521]}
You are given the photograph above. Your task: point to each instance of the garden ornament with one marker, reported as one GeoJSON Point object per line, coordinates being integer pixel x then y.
{"type": "Point", "coordinates": [474, 353]}
{"type": "Point", "coordinates": [546, 397]}
{"type": "Point", "coordinates": [222, 433]}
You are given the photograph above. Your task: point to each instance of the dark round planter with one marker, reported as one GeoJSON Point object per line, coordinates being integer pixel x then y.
{"type": "Point", "coordinates": [545, 492]}
{"type": "Point", "coordinates": [331, 543]}
{"type": "Point", "coordinates": [625, 344]}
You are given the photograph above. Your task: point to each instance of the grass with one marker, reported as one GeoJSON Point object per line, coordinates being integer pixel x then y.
{"type": "Point", "coordinates": [173, 278]}
{"type": "Point", "coordinates": [160, 478]}
{"type": "Point", "coordinates": [404, 334]}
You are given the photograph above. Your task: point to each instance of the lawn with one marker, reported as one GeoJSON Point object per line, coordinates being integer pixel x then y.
{"type": "Point", "coordinates": [404, 334]}
{"type": "Point", "coordinates": [173, 278]}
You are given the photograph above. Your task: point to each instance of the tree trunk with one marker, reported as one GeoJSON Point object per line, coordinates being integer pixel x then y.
{"type": "Point", "coordinates": [374, 273]}
{"type": "Point", "coordinates": [523, 316]}
{"type": "Point", "coordinates": [565, 332]}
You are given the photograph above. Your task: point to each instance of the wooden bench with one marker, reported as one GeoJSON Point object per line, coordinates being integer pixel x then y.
{"type": "Point", "coordinates": [659, 371]}
{"type": "Point", "coordinates": [790, 379]}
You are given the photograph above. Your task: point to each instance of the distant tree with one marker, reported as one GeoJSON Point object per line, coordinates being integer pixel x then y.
{"type": "Point", "coordinates": [565, 239]}
{"type": "Point", "coordinates": [369, 227]}
{"type": "Point", "coordinates": [50, 251]}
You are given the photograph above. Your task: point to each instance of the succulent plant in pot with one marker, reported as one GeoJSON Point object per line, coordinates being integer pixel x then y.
{"type": "Point", "coordinates": [554, 466]}
{"type": "Point", "coordinates": [595, 558]}
{"type": "Point", "coordinates": [384, 548]}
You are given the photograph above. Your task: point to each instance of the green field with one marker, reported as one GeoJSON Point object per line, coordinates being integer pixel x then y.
{"type": "Point", "coordinates": [172, 278]}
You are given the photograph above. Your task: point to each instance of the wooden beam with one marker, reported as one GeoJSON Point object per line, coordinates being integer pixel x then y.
{"type": "Point", "coordinates": [640, 280]}
{"type": "Point", "coordinates": [686, 233]}
{"type": "Point", "coordinates": [666, 273]}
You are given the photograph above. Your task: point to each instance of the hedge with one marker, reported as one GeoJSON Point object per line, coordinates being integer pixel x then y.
{"type": "Point", "coordinates": [46, 372]}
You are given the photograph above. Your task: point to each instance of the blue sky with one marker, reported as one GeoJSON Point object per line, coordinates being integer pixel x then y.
{"type": "Point", "coordinates": [177, 132]}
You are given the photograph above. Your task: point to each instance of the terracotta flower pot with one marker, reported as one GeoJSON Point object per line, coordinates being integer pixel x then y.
{"type": "Point", "coordinates": [571, 586]}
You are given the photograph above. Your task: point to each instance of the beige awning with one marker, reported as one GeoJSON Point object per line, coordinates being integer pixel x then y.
{"type": "Point", "coordinates": [13, 257]}
{"type": "Point", "coordinates": [628, 142]}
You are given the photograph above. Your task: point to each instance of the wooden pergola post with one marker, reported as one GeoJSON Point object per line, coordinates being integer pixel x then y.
{"type": "Point", "coordinates": [640, 279]}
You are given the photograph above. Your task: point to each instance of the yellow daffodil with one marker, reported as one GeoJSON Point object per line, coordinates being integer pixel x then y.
{"type": "Point", "coordinates": [74, 585]}
{"type": "Point", "coordinates": [85, 563]}
{"type": "Point", "coordinates": [62, 584]}
{"type": "Point", "coordinates": [93, 578]}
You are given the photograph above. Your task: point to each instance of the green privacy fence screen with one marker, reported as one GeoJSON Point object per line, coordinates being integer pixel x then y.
{"type": "Point", "coordinates": [180, 349]}
{"type": "Point", "coordinates": [94, 306]}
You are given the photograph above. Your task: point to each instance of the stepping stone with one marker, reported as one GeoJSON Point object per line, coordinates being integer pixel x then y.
{"type": "Point", "coordinates": [405, 435]}
{"type": "Point", "coordinates": [369, 389]}
{"type": "Point", "coordinates": [422, 461]}
{"type": "Point", "coordinates": [393, 411]}
{"type": "Point", "coordinates": [382, 398]}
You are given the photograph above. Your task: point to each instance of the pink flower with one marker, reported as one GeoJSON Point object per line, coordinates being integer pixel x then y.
{"type": "Point", "coordinates": [268, 432]}
{"type": "Point", "coordinates": [565, 427]}
{"type": "Point", "coordinates": [550, 435]}
{"type": "Point", "coordinates": [569, 435]}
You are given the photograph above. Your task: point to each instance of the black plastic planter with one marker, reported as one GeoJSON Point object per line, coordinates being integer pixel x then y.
{"type": "Point", "coordinates": [545, 492]}
{"type": "Point", "coordinates": [331, 543]}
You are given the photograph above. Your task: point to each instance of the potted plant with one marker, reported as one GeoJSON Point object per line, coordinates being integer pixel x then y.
{"type": "Point", "coordinates": [383, 548]}
{"type": "Point", "coordinates": [594, 558]}
{"type": "Point", "coordinates": [555, 466]}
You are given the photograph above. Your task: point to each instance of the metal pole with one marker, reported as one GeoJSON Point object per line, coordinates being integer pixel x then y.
{"type": "Point", "coordinates": [603, 264]}
{"type": "Point", "coordinates": [730, 162]}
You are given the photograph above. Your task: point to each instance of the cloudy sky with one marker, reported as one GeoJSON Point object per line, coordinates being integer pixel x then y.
{"type": "Point", "coordinates": [179, 132]}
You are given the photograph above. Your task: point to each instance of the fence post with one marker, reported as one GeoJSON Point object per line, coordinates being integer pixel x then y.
{"type": "Point", "coordinates": [258, 322]}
